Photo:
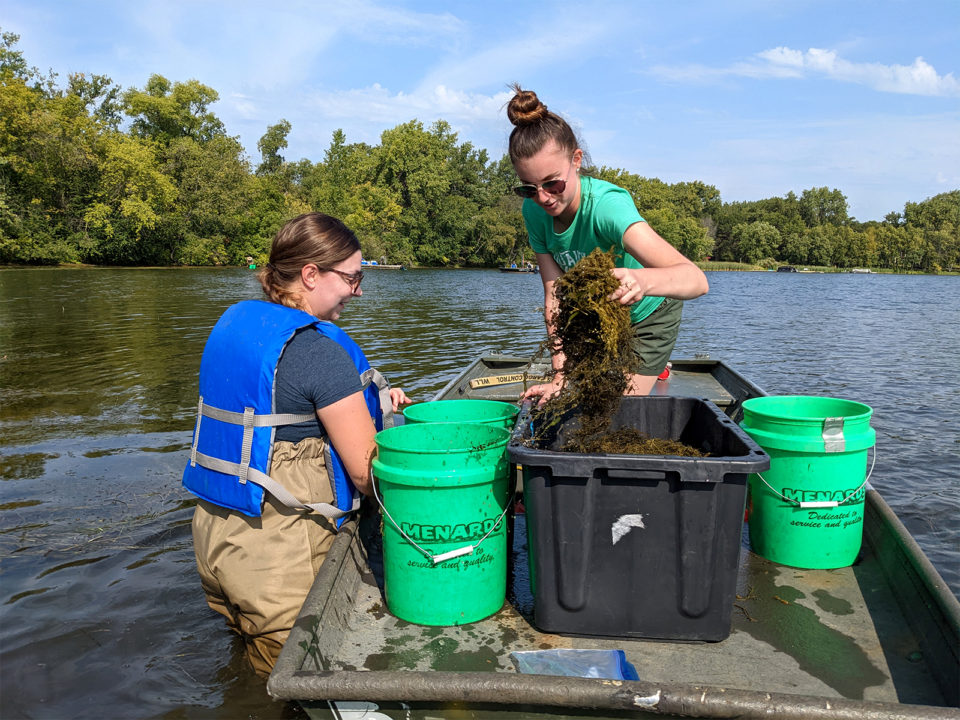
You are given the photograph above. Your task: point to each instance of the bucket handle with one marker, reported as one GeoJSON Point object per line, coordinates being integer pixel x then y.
{"type": "Point", "coordinates": [823, 503]}
{"type": "Point", "coordinates": [442, 557]}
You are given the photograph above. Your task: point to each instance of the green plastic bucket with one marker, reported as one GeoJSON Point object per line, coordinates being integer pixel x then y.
{"type": "Point", "coordinates": [486, 412]}
{"type": "Point", "coordinates": [443, 491]}
{"type": "Point", "coordinates": [806, 511]}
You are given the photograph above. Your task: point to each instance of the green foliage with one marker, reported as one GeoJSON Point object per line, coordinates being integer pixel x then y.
{"type": "Point", "coordinates": [164, 111]}
{"type": "Point", "coordinates": [822, 206]}
{"type": "Point", "coordinates": [175, 188]}
{"type": "Point", "coordinates": [273, 141]}
{"type": "Point", "coordinates": [755, 240]}
{"type": "Point", "coordinates": [727, 266]}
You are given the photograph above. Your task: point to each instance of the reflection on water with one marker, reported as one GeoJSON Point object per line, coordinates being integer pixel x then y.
{"type": "Point", "coordinates": [101, 602]}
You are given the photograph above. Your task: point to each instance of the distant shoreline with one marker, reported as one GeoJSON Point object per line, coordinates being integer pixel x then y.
{"type": "Point", "coordinates": [705, 266]}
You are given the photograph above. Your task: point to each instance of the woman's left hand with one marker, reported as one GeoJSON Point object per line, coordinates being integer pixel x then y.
{"type": "Point", "coordinates": [630, 289]}
{"type": "Point", "coordinates": [398, 397]}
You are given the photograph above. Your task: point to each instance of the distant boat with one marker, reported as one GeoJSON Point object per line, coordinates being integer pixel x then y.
{"type": "Point", "coordinates": [786, 268]}
{"type": "Point", "coordinates": [861, 271]}
{"type": "Point", "coordinates": [380, 265]}
{"type": "Point", "coordinates": [525, 269]}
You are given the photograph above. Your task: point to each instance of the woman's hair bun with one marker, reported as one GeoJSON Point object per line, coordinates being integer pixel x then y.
{"type": "Point", "coordinates": [525, 107]}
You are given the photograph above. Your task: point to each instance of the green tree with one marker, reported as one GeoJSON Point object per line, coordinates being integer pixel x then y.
{"type": "Point", "coordinates": [684, 233]}
{"type": "Point", "coordinates": [47, 165]}
{"type": "Point", "coordinates": [755, 241]}
{"type": "Point", "coordinates": [132, 196]}
{"type": "Point", "coordinates": [212, 180]}
{"type": "Point", "coordinates": [823, 206]}
{"type": "Point", "coordinates": [165, 111]}
{"type": "Point", "coordinates": [273, 141]}
{"type": "Point", "coordinates": [822, 239]}
{"type": "Point", "coordinates": [99, 96]}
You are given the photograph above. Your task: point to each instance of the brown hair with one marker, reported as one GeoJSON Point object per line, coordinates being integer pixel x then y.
{"type": "Point", "coordinates": [535, 125]}
{"type": "Point", "coordinates": [309, 238]}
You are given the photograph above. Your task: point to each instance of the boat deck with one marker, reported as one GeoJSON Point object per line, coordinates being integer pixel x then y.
{"type": "Point", "coordinates": [829, 634]}
{"type": "Point", "coordinates": [809, 632]}
{"type": "Point", "coordinates": [812, 643]}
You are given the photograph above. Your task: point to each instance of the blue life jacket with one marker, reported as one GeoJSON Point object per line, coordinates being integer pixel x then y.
{"type": "Point", "coordinates": [236, 419]}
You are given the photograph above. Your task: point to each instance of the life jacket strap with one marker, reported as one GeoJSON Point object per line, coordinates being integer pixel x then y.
{"type": "Point", "coordinates": [375, 377]}
{"type": "Point", "coordinates": [247, 445]}
{"type": "Point", "coordinates": [196, 434]}
{"type": "Point", "coordinates": [249, 420]}
{"type": "Point", "coordinates": [265, 420]}
{"type": "Point", "coordinates": [273, 487]}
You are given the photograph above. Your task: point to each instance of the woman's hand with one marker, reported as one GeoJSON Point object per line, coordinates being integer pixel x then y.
{"type": "Point", "coordinates": [631, 287]}
{"type": "Point", "coordinates": [398, 397]}
{"type": "Point", "coordinates": [544, 391]}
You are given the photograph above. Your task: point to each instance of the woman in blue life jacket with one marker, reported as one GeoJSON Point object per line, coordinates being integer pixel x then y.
{"type": "Point", "coordinates": [568, 215]}
{"type": "Point", "coordinates": [288, 411]}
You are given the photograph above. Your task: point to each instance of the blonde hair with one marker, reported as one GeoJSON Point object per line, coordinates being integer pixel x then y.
{"type": "Point", "coordinates": [311, 238]}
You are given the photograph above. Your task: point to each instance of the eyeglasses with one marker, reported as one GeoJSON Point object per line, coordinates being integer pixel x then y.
{"type": "Point", "coordinates": [551, 187]}
{"type": "Point", "coordinates": [352, 279]}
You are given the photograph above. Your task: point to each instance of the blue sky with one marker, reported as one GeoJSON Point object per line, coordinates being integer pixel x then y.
{"type": "Point", "coordinates": [755, 97]}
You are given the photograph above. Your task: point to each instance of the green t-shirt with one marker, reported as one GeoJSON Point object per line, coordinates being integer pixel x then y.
{"type": "Point", "coordinates": [605, 213]}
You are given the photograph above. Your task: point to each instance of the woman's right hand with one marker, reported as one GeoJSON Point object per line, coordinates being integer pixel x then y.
{"type": "Point", "coordinates": [397, 398]}
{"type": "Point", "coordinates": [544, 391]}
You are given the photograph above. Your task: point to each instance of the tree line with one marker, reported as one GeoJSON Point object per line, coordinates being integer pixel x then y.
{"type": "Point", "coordinates": [93, 173]}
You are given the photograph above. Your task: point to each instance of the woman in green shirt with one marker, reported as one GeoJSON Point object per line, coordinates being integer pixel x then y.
{"type": "Point", "coordinates": [568, 215]}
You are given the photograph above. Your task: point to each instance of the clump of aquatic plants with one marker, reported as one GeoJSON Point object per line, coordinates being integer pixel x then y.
{"type": "Point", "coordinates": [627, 441]}
{"type": "Point", "coordinates": [594, 334]}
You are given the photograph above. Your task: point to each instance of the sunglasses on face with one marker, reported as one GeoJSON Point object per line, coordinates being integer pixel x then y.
{"type": "Point", "coordinates": [551, 187]}
{"type": "Point", "coordinates": [352, 279]}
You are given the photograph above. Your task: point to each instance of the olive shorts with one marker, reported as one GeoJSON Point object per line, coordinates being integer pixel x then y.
{"type": "Point", "coordinates": [653, 337]}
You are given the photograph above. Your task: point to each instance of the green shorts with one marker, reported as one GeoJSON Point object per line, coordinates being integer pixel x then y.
{"type": "Point", "coordinates": [653, 337]}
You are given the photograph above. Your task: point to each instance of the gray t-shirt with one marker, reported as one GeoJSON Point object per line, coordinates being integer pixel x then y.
{"type": "Point", "coordinates": [314, 371]}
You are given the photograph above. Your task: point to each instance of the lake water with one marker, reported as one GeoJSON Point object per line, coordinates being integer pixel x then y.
{"type": "Point", "coordinates": [102, 611]}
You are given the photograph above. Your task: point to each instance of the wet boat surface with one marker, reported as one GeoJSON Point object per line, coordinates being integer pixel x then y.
{"type": "Point", "coordinates": [875, 640]}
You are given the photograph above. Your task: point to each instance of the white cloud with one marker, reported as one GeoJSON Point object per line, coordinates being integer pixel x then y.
{"type": "Point", "coordinates": [878, 165]}
{"type": "Point", "coordinates": [380, 105]}
{"type": "Point", "coordinates": [920, 78]}
{"type": "Point", "coordinates": [446, 90]}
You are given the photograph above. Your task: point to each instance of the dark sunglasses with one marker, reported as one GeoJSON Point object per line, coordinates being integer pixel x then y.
{"type": "Point", "coordinates": [352, 279]}
{"type": "Point", "coordinates": [551, 187]}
